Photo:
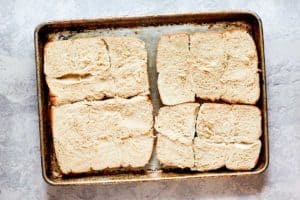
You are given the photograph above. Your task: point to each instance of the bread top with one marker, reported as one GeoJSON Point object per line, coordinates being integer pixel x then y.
{"type": "Point", "coordinates": [229, 123]}
{"type": "Point", "coordinates": [219, 65]}
{"type": "Point", "coordinates": [173, 153]}
{"type": "Point", "coordinates": [94, 68]}
{"type": "Point", "coordinates": [128, 59]}
{"type": "Point", "coordinates": [114, 118]}
{"type": "Point", "coordinates": [243, 156]}
{"type": "Point", "coordinates": [173, 52]}
{"type": "Point", "coordinates": [211, 156]}
{"type": "Point", "coordinates": [208, 155]}
{"type": "Point", "coordinates": [207, 51]}
{"type": "Point", "coordinates": [177, 122]}
{"type": "Point", "coordinates": [76, 153]}
{"type": "Point", "coordinates": [175, 86]}
{"type": "Point", "coordinates": [214, 50]}
{"type": "Point", "coordinates": [76, 56]}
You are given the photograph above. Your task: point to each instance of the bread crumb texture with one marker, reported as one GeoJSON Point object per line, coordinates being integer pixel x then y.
{"type": "Point", "coordinates": [210, 65]}
{"type": "Point", "coordinates": [209, 138]}
{"type": "Point", "coordinates": [95, 68]}
{"type": "Point", "coordinates": [98, 135]}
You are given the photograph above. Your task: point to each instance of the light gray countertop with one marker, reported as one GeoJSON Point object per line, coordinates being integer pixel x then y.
{"type": "Point", "coordinates": [20, 169]}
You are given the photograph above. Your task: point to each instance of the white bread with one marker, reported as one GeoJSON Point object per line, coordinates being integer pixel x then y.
{"type": "Point", "coordinates": [77, 153]}
{"type": "Point", "coordinates": [172, 153]}
{"type": "Point", "coordinates": [173, 52]}
{"type": "Point", "coordinates": [242, 156]}
{"type": "Point", "coordinates": [76, 56]}
{"type": "Point", "coordinates": [207, 54]}
{"type": "Point", "coordinates": [211, 156]}
{"type": "Point", "coordinates": [208, 156]}
{"type": "Point", "coordinates": [227, 136]}
{"type": "Point", "coordinates": [121, 118]}
{"type": "Point", "coordinates": [128, 57]}
{"type": "Point", "coordinates": [229, 123]}
{"type": "Point", "coordinates": [174, 84]}
{"type": "Point", "coordinates": [73, 90]}
{"type": "Point", "coordinates": [177, 122]}
{"type": "Point", "coordinates": [176, 130]}
{"type": "Point", "coordinates": [228, 64]}
{"type": "Point", "coordinates": [103, 134]}
{"type": "Point", "coordinates": [95, 68]}
{"type": "Point", "coordinates": [218, 66]}
{"type": "Point", "coordinates": [136, 152]}
{"type": "Point", "coordinates": [241, 74]}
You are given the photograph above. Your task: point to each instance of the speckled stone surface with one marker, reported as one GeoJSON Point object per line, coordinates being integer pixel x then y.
{"type": "Point", "coordinates": [20, 170]}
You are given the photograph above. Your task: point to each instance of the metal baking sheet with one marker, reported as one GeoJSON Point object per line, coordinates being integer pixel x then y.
{"type": "Point", "coordinates": [149, 29]}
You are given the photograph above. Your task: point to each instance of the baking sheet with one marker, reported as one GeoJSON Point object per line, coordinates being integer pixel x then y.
{"type": "Point", "coordinates": [150, 35]}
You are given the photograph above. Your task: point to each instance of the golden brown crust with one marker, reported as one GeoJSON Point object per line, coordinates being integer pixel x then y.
{"type": "Point", "coordinates": [53, 100]}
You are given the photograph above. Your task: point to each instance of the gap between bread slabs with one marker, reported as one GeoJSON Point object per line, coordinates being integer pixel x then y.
{"type": "Point", "coordinates": [153, 164]}
{"type": "Point", "coordinates": [105, 98]}
{"type": "Point", "coordinates": [219, 101]}
{"type": "Point", "coordinates": [75, 76]}
{"type": "Point", "coordinates": [195, 134]}
{"type": "Point", "coordinates": [189, 42]}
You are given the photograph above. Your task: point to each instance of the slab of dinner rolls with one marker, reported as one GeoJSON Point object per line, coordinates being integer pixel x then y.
{"type": "Point", "coordinates": [104, 134]}
{"type": "Point", "coordinates": [175, 126]}
{"type": "Point", "coordinates": [95, 68]}
{"type": "Point", "coordinates": [229, 123]}
{"type": "Point", "coordinates": [213, 66]}
{"type": "Point", "coordinates": [225, 136]}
